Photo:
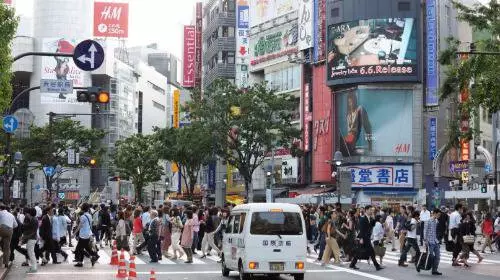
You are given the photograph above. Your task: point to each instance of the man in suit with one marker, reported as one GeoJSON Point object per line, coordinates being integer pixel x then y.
{"type": "Point", "coordinates": [364, 236]}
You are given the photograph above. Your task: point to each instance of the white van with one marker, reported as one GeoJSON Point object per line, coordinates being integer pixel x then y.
{"type": "Point", "coordinates": [265, 238]}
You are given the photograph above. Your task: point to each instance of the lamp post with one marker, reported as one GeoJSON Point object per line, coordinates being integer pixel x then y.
{"type": "Point", "coordinates": [495, 188]}
{"type": "Point", "coordinates": [338, 159]}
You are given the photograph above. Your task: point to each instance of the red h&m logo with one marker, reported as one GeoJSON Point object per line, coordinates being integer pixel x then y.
{"type": "Point", "coordinates": [402, 149]}
{"type": "Point", "coordinates": [110, 19]}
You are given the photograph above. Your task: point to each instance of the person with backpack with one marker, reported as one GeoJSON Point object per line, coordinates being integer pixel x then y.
{"type": "Point", "coordinates": [95, 222]}
{"type": "Point", "coordinates": [411, 239]}
{"type": "Point", "coordinates": [84, 233]}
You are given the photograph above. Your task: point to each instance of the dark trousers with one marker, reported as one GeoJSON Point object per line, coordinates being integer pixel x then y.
{"type": "Point", "coordinates": [154, 248]}
{"type": "Point", "coordinates": [96, 231]}
{"type": "Point", "coordinates": [145, 243]}
{"type": "Point", "coordinates": [370, 251]}
{"type": "Point", "coordinates": [47, 250]}
{"type": "Point", "coordinates": [56, 248]}
{"type": "Point", "coordinates": [322, 245]}
{"type": "Point", "coordinates": [410, 243]}
{"type": "Point", "coordinates": [195, 241]}
{"type": "Point", "coordinates": [69, 235]}
{"type": "Point", "coordinates": [83, 246]}
{"type": "Point", "coordinates": [189, 253]}
{"type": "Point", "coordinates": [18, 248]}
{"type": "Point", "coordinates": [421, 233]}
{"type": "Point", "coordinates": [457, 246]}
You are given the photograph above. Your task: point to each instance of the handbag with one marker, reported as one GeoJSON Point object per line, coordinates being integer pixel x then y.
{"type": "Point", "coordinates": [469, 239]}
{"type": "Point", "coordinates": [379, 249]}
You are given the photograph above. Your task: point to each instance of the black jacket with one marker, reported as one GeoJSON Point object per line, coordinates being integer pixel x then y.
{"type": "Point", "coordinates": [365, 229]}
{"type": "Point", "coordinates": [46, 228]}
{"type": "Point", "coordinates": [30, 226]}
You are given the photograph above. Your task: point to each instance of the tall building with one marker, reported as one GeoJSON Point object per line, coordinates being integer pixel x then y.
{"type": "Point", "coordinates": [219, 44]}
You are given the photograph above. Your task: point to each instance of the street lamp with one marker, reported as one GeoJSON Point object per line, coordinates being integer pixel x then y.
{"type": "Point", "coordinates": [338, 158]}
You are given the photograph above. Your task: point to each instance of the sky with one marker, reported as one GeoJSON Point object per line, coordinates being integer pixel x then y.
{"type": "Point", "coordinates": [150, 21]}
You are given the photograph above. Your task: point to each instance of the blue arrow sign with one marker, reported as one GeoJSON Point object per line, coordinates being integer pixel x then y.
{"type": "Point", "coordinates": [487, 168]}
{"type": "Point", "coordinates": [10, 124]}
{"type": "Point", "coordinates": [48, 170]}
{"type": "Point", "coordinates": [88, 55]}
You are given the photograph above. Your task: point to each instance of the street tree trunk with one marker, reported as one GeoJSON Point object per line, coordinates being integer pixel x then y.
{"type": "Point", "coordinates": [249, 190]}
{"type": "Point", "coordinates": [138, 193]}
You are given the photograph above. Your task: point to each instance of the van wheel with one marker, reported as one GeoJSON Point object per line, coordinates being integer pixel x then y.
{"type": "Point", "coordinates": [243, 275]}
{"type": "Point", "coordinates": [298, 276]}
{"type": "Point", "coordinates": [225, 271]}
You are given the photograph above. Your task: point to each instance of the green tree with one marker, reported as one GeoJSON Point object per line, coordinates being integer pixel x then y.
{"type": "Point", "coordinates": [136, 158]}
{"type": "Point", "coordinates": [190, 147]}
{"type": "Point", "coordinates": [8, 27]}
{"type": "Point", "coordinates": [479, 72]}
{"type": "Point", "coordinates": [246, 124]}
{"type": "Point", "coordinates": [48, 146]}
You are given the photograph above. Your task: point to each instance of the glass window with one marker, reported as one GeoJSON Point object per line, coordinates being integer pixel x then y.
{"type": "Point", "coordinates": [284, 79]}
{"type": "Point", "coordinates": [229, 228]}
{"type": "Point", "coordinates": [231, 5]}
{"type": "Point", "coordinates": [296, 77]}
{"type": "Point", "coordinates": [271, 223]}
{"type": "Point", "coordinates": [236, 225]}
{"type": "Point", "coordinates": [230, 57]}
{"type": "Point", "coordinates": [290, 78]}
{"type": "Point", "coordinates": [242, 221]}
{"type": "Point", "coordinates": [230, 32]}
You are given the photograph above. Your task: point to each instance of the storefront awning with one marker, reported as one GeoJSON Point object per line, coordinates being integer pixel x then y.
{"type": "Point", "coordinates": [407, 193]}
{"type": "Point", "coordinates": [312, 190]}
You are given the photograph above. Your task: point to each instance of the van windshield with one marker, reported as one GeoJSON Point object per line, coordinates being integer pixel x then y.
{"type": "Point", "coordinates": [276, 223]}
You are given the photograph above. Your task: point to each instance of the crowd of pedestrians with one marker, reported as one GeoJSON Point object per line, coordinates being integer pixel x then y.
{"type": "Point", "coordinates": [169, 231]}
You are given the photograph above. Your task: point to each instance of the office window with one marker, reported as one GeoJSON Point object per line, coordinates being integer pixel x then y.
{"type": "Point", "coordinates": [296, 77]}
{"type": "Point", "coordinates": [230, 57]}
{"type": "Point", "coordinates": [158, 106]}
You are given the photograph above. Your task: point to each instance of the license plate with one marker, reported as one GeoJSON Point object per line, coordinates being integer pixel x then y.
{"type": "Point", "coordinates": [277, 266]}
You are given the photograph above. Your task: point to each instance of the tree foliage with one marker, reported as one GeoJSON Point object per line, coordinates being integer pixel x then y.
{"type": "Point", "coordinates": [48, 145]}
{"type": "Point", "coordinates": [246, 124]}
{"type": "Point", "coordinates": [189, 147]}
{"type": "Point", "coordinates": [479, 72]}
{"type": "Point", "coordinates": [8, 27]}
{"type": "Point", "coordinates": [136, 158]}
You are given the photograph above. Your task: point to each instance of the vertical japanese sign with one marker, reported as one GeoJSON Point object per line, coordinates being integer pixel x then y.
{"type": "Point", "coordinates": [242, 32]}
{"type": "Point", "coordinates": [306, 24]}
{"type": "Point", "coordinates": [319, 30]}
{"type": "Point", "coordinates": [432, 137]}
{"type": "Point", "coordinates": [199, 43]}
{"type": "Point", "coordinates": [177, 95]}
{"type": "Point", "coordinates": [464, 121]}
{"type": "Point", "coordinates": [307, 117]}
{"type": "Point", "coordinates": [431, 98]}
{"type": "Point", "coordinates": [110, 19]}
{"type": "Point", "coordinates": [189, 56]}
{"type": "Point", "coordinates": [211, 174]}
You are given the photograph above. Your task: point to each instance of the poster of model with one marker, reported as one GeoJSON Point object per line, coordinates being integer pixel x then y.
{"type": "Point", "coordinates": [375, 122]}
{"type": "Point", "coordinates": [380, 48]}
{"type": "Point", "coordinates": [60, 68]}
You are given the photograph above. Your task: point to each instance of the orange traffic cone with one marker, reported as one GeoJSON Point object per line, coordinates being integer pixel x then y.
{"type": "Point", "coordinates": [114, 255]}
{"type": "Point", "coordinates": [152, 275]}
{"type": "Point", "coordinates": [132, 274]}
{"type": "Point", "coordinates": [122, 269]}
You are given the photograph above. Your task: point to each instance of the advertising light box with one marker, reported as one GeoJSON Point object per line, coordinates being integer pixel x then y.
{"type": "Point", "coordinates": [372, 50]}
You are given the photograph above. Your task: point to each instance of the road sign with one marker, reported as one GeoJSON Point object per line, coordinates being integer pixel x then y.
{"type": "Point", "coordinates": [61, 195]}
{"type": "Point", "coordinates": [10, 124]}
{"type": "Point", "coordinates": [71, 156]}
{"type": "Point", "coordinates": [88, 55]}
{"type": "Point", "coordinates": [48, 170]}
{"type": "Point", "coordinates": [487, 168]}
{"type": "Point", "coordinates": [56, 86]}
{"type": "Point", "coordinates": [37, 187]}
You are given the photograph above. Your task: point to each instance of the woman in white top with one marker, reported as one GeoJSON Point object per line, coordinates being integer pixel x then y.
{"type": "Point", "coordinates": [121, 233]}
{"type": "Point", "coordinates": [378, 236]}
{"type": "Point", "coordinates": [389, 229]}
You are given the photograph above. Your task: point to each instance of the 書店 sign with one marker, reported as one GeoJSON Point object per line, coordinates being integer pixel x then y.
{"type": "Point", "coordinates": [373, 176]}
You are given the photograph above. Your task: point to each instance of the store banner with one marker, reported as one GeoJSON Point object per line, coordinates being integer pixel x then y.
{"type": "Point", "coordinates": [307, 118]}
{"type": "Point", "coordinates": [212, 174]}
{"type": "Point", "coordinates": [60, 69]}
{"type": "Point", "coordinates": [177, 96]}
{"type": "Point", "coordinates": [306, 16]}
{"type": "Point", "coordinates": [375, 122]}
{"type": "Point", "coordinates": [432, 95]}
{"type": "Point", "coordinates": [110, 19]}
{"type": "Point", "coordinates": [319, 33]}
{"type": "Point", "coordinates": [266, 10]}
{"type": "Point", "coordinates": [189, 56]}
{"type": "Point", "coordinates": [376, 176]}
{"type": "Point", "coordinates": [274, 44]}
{"type": "Point", "coordinates": [432, 137]}
{"type": "Point", "coordinates": [373, 50]}
{"type": "Point", "coordinates": [199, 44]}
{"type": "Point", "coordinates": [289, 168]}
{"type": "Point", "coordinates": [242, 43]}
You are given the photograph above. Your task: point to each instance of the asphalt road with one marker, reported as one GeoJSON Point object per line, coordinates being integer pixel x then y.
{"type": "Point", "coordinates": [208, 269]}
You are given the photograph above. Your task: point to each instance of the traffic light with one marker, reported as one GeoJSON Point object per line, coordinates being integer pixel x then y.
{"type": "Point", "coordinates": [93, 95]}
{"type": "Point", "coordinates": [92, 162]}
{"type": "Point", "coordinates": [484, 188]}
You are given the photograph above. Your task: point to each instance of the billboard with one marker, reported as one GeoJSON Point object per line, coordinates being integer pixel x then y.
{"type": "Point", "coordinates": [265, 10]}
{"type": "Point", "coordinates": [375, 122]}
{"type": "Point", "coordinates": [60, 69]}
{"type": "Point", "coordinates": [432, 74]}
{"type": "Point", "coordinates": [199, 43]}
{"type": "Point", "coordinates": [274, 44]}
{"type": "Point", "coordinates": [306, 16]}
{"type": "Point", "coordinates": [242, 43]}
{"type": "Point", "coordinates": [110, 19]}
{"type": "Point", "coordinates": [189, 56]}
{"type": "Point", "coordinates": [372, 50]}
{"type": "Point", "coordinates": [322, 126]}
{"type": "Point", "coordinates": [376, 176]}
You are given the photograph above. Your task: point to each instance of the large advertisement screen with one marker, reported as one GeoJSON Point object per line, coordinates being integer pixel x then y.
{"type": "Point", "coordinates": [375, 122]}
{"type": "Point", "coordinates": [372, 50]}
{"type": "Point", "coordinates": [265, 10]}
{"type": "Point", "coordinates": [60, 69]}
{"type": "Point", "coordinates": [110, 19]}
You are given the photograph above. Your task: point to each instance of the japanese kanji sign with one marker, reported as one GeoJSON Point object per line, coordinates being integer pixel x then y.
{"type": "Point", "coordinates": [363, 176]}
